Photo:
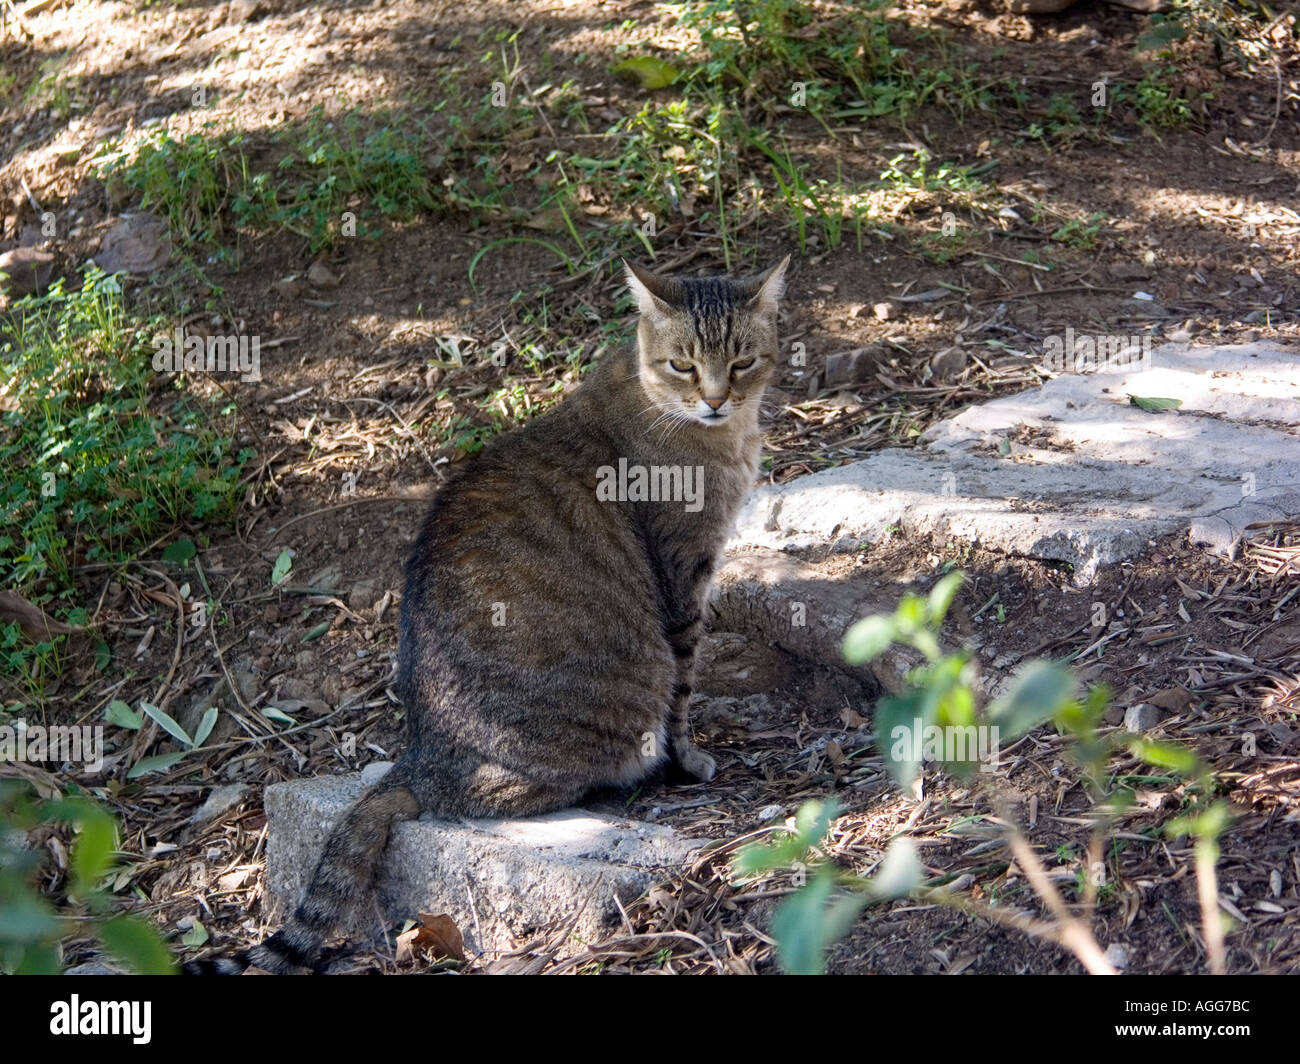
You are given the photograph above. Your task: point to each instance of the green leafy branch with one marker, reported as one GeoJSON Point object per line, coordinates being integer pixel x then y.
{"type": "Point", "coordinates": [30, 928]}
{"type": "Point", "coordinates": [941, 693]}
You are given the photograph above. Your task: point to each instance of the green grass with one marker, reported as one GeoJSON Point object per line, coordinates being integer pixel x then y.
{"type": "Point", "coordinates": [61, 94]}
{"type": "Point", "coordinates": [850, 59]}
{"type": "Point", "coordinates": [328, 178]}
{"type": "Point", "coordinates": [1158, 103]}
{"type": "Point", "coordinates": [98, 459]}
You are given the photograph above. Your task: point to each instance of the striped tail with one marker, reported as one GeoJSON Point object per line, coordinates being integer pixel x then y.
{"type": "Point", "coordinates": [344, 875]}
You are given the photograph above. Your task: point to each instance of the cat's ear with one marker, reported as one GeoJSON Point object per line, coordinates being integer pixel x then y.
{"type": "Point", "coordinates": [654, 294]}
{"type": "Point", "coordinates": [766, 289]}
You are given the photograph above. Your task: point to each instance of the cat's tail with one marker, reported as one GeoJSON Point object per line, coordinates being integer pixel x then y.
{"type": "Point", "coordinates": [344, 875]}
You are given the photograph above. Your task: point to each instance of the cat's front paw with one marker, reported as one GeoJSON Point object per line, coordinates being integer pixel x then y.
{"type": "Point", "coordinates": [693, 765]}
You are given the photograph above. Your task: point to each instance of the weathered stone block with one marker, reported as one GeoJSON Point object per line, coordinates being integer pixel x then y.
{"type": "Point", "coordinates": [498, 879]}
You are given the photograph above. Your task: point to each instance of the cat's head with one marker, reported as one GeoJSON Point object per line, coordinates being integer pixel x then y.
{"type": "Point", "coordinates": [706, 346]}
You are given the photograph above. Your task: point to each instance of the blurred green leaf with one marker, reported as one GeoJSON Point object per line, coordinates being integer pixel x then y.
{"type": "Point", "coordinates": [180, 552]}
{"type": "Point", "coordinates": [1038, 692]}
{"type": "Point", "coordinates": [1165, 755]}
{"type": "Point", "coordinates": [813, 821]}
{"type": "Point", "coordinates": [868, 639]}
{"type": "Point", "coordinates": [1207, 824]}
{"type": "Point", "coordinates": [92, 853]}
{"type": "Point", "coordinates": [41, 959]}
{"type": "Point", "coordinates": [900, 872]}
{"type": "Point", "coordinates": [942, 594]}
{"type": "Point", "coordinates": [897, 719]}
{"type": "Point", "coordinates": [137, 945]}
{"type": "Point", "coordinates": [25, 918]}
{"type": "Point", "coordinates": [650, 72]}
{"type": "Point", "coordinates": [807, 923]}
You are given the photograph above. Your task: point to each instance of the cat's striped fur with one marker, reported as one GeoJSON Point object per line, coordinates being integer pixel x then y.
{"type": "Point", "coordinates": [547, 638]}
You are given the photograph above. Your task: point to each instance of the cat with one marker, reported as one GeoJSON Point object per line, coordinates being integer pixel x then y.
{"type": "Point", "coordinates": [553, 598]}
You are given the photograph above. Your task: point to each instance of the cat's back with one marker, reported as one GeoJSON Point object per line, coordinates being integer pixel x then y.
{"type": "Point", "coordinates": [521, 521]}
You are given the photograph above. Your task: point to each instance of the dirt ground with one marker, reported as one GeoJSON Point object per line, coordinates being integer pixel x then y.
{"type": "Point", "coordinates": [1201, 221]}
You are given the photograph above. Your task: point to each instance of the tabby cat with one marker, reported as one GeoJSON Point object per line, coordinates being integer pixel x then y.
{"type": "Point", "coordinates": [553, 598]}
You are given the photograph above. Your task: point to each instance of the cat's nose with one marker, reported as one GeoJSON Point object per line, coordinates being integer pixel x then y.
{"type": "Point", "coordinates": [713, 404]}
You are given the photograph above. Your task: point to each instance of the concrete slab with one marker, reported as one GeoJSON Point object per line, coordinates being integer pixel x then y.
{"type": "Point", "coordinates": [781, 601]}
{"type": "Point", "coordinates": [498, 879]}
{"type": "Point", "coordinates": [1086, 478]}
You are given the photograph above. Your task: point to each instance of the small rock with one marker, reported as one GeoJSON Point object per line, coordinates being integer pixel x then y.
{"type": "Point", "coordinates": [137, 244]}
{"type": "Point", "coordinates": [1141, 717]}
{"type": "Point", "coordinates": [885, 311]}
{"type": "Point", "coordinates": [321, 276]}
{"type": "Point", "coordinates": [769, 812]}
{"type": "Point", "coordinates": [1119, 955]}
{"type": "Point", "coordinates": [1130, 271]}
{"type": "Point", "coordinates": [28, 271]}
{"type": "Point", "coordinates": [850, 367]}
{"type": "Point", "coordinates": [374, 772]}
{"type": "Point", "coordinates": [328, 578]}
{"type": "Point", "coordinates": [948, 364]}
{"type": "Point", "coordinates": [219, 800]}
{"type": "Point", "coordinates": [364, 595]}
{"type": "Point", "coordinates": [241, 11]}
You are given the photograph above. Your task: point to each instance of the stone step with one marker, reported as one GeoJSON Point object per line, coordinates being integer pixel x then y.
{"type": "Point", "coordinates": [500, 880]}
{"type": "Point", "coordinates": [1087, 479]}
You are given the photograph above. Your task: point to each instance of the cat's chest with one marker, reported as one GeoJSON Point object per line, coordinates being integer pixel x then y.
{"type": "Point", "coordinates": [698, 520]}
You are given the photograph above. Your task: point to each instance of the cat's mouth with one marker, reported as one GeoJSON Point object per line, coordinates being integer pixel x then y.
{"type": "Point", "coordinates": [710, 414]}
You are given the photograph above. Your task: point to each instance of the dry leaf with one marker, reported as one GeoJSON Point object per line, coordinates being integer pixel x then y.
{"type": "Point", "coordinates": [1174, 699]}
{"type": "Point", "coordinates": [434, 937]}
{"type": "Point", "coordinates": [37, 625]}
{"type": "Point", "coordinates": [447, 934]}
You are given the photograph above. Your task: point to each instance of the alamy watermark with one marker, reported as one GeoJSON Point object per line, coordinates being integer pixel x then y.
{"type": "Point", "coordinates": [38, 743]}
{"type": "Point", "coordinates": [179, 353]}
{"type": "Point", "coordinates": [920, 742]}
{"type": "Point", "coordinates": [77, 1017]}
{"type": "Point", "coordinates": [1095, 353]}
{"type": "Point", "coordinates": [655, 483]}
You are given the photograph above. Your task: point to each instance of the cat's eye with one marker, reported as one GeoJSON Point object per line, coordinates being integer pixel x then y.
{"type": "Point", "coordinates": [744, 363]}
{"type": "Point", "coordinates": [680, 366]}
